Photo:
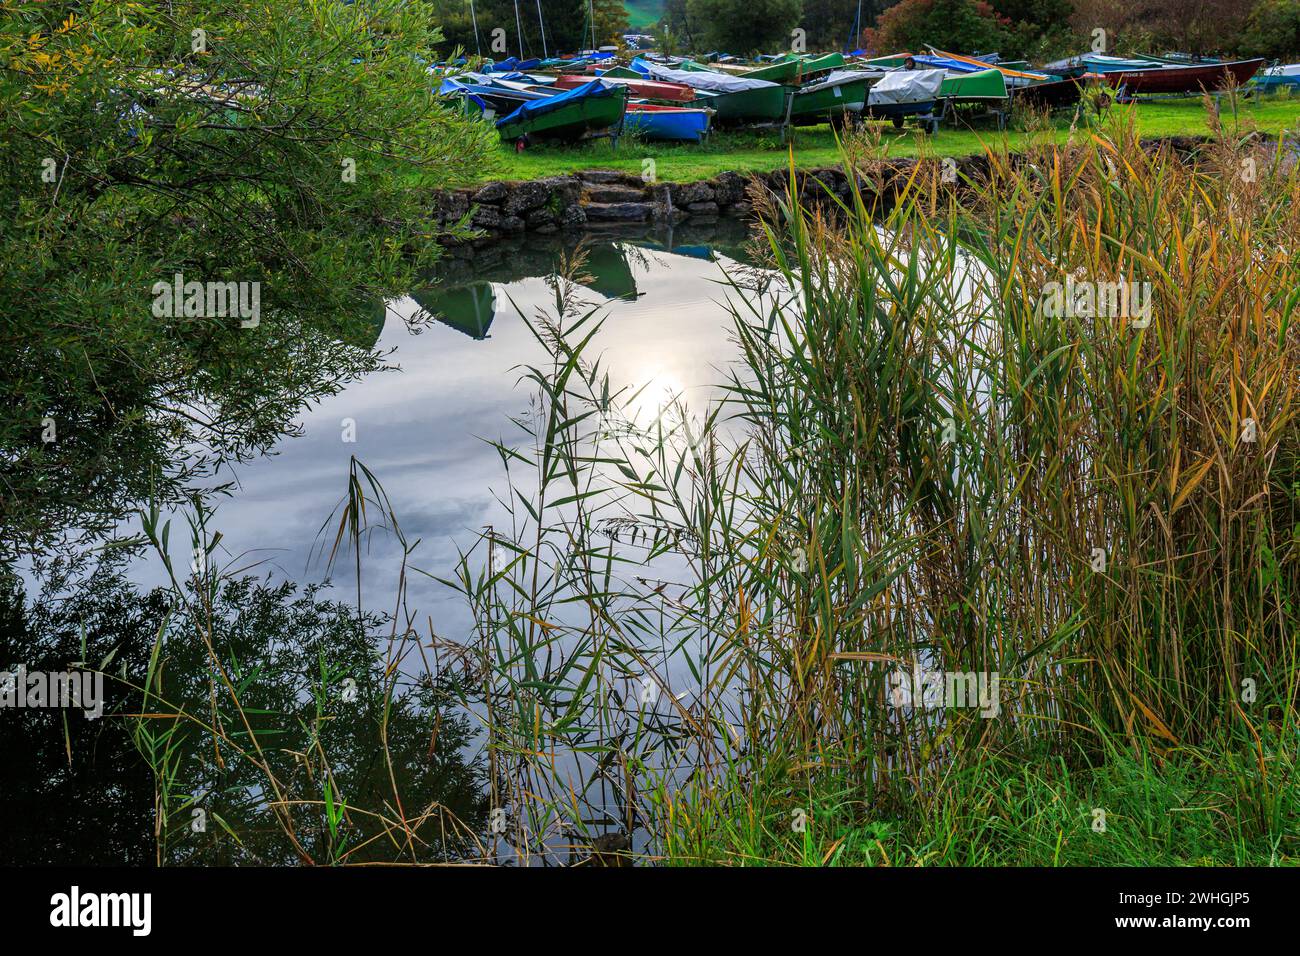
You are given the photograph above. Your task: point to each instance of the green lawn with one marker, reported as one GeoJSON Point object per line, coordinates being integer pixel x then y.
{"type": "Point", "coordinates": [816, 146]}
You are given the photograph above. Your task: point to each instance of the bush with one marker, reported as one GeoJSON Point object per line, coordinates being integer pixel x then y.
{"type": "Point", "coordinates": [959, 25]}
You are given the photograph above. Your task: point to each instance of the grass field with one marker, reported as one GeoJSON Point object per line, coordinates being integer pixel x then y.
{"type": "Point", "coordinates": [816, 145]}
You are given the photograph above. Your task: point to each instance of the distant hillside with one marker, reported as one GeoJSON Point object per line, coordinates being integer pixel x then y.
{"type": "Point", "coordinates": [642, 13]}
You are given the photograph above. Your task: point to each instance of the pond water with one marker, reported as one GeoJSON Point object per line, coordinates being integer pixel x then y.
{"type": "Point", "coordinates": [424, 427]}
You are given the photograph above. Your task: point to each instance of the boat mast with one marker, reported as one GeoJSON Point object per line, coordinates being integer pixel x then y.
{"type": "Point", "coordinates": [542, 26]}
{"type": "Point", "coordinates": [591, 11]}
{"type": "Point", "coordinates": [519, 30]}
{"type": "Point", "coordinates": [473, 18]}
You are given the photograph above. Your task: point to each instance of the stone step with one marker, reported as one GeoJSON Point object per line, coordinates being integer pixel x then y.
{"type": "Point", "coordinates": [613, 193]}
{"type": "Point", "coordinates": [604, 176]}
{"type": "Point", "coordinates": [618, 211]}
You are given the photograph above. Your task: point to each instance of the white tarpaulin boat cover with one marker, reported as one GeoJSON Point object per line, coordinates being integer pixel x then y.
{"type": "Point", "coordinates": [712, 82]}
{"type": "Point", "coordinates": [840, 77]}
{"type": "Point", "coordinates": [1290, 69]}
{"type": "Point", "coordinates": [906, 86]}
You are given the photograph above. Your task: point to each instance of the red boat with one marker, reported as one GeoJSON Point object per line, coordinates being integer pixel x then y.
{"type": "Point", "coordinates": [645, 89]}
{"type": "Point", "coordinates": [1186, 79]}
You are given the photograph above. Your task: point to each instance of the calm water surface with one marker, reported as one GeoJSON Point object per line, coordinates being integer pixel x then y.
{"type": "Point", "coordinates": [424, 428]}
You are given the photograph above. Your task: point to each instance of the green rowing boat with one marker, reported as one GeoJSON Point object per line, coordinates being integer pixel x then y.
{"type": "Point", "coordinates": [832, 98]}
{"type": "Point", "coordinates": [787, 71]}
{"type": "Point", "coordinates": [974, 87]}
{"type": "Point", "coordinates": [763, 105]}
{"type": "Point", "coordinates": [734, 99]}
{"type": "Point", "coordinates": [885, 62]}
{"type": "Point", "coordinates": [812, 65]}
{"type": "Point", "coordinates": [571, 119]}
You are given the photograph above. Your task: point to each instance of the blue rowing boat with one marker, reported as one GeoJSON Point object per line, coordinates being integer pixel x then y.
{"type": "Point", "coordinates": [673, 123]}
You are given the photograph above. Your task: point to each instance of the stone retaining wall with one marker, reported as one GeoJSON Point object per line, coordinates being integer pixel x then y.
{"type": "Point", "coordinates": [595, 197]}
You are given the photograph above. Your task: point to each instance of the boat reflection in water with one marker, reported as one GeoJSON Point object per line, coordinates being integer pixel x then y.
{"type": "Point", "coordinates": [469, 308]}
{"type": "Point", "coordinates": [453, 386]}
{"type": "Point", "coordinates": [463, 292]}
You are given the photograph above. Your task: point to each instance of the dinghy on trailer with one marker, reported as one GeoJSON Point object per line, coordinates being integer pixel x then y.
{"type": "Point", "coordinates": [830, 98]}
{"type": "Point", "coordinates": [980, 86]}
{"type": "Point", "coordinates": [1025, 86]}
{"type": "Point", "coordinates": [902, 93]}
{"type": "Point", "coordinates": [1163, 78]}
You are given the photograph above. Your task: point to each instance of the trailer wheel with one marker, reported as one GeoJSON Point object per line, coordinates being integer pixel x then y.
{"type": "Point", "coordinates": [898, 122]}
{"type": "Point", "coordinates": [521, 144]}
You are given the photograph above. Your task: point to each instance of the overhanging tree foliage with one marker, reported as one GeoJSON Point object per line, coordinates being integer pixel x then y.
{"type": "Point", "coordinates": [276, 142]}
{"type": "Point", "coordinates": [1273, 30]}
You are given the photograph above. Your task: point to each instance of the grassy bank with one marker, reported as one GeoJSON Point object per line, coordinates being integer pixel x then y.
{"type": "Point", "coordinates": [1197, 807]}
{"type": "Point", "coordinates": [816, 145]}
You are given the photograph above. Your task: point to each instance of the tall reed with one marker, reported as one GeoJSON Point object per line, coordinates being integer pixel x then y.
{"type": "Point", "coordinates": [938, 470]}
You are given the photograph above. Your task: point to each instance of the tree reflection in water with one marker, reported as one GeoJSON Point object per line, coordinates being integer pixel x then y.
{"type": "Point", "coordinates": [79, 790]}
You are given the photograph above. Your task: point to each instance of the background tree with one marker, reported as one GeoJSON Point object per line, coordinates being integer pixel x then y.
{"type": "Point", "coordinates": [830, 23]}
{"type": "Point", "coordinates": [455, 23]}
{"type": "Point", "coordinates": [1146, 26]}
{"type": "Point", "coordinates": [677, 23]}
{"type": "Point", "coordinates": [743, 26]}
{"type": "Point", "coordinates": [1193, 26]}
{"type": "Point", "coordinates": [1040, 28]}
{"type": "Point", "coordinates": [566, 25]}
{"type": "Point", "coordinates": [611, 21]}
{"type": "Point", "coordinates": [958, 25]}
{"type": "Point", "coordinates": [1273, 30]}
